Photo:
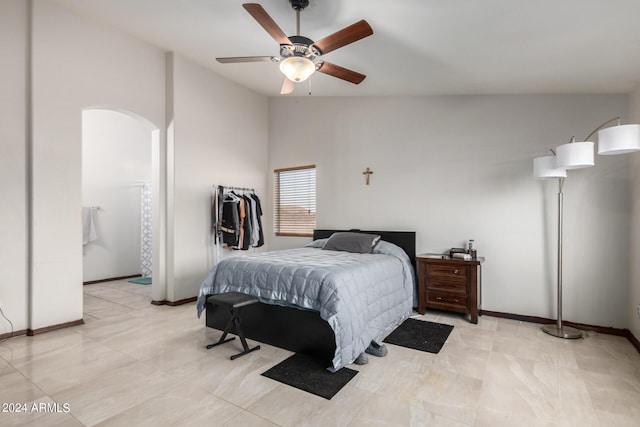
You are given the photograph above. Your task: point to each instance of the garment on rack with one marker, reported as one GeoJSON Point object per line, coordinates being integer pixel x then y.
{"type": "Point", "coordinates": [254, 222]}
{"type": "Point", "coordinates": [247, 226]}
{"type": "Point", "coordinates": [258, 221]}
{"type": "Point", "coordinates": [230, 221]}
{"type": "Point", "coordinates": [214, 214]}
{"type": "Point", "coordinates": [243, 222]}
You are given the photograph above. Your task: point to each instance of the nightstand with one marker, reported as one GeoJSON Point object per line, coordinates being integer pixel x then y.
{"type": "Point", "coordinates": [449, 284]}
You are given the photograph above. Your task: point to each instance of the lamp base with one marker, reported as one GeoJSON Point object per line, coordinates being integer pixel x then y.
{"type": "Point", "coordinates": [565, 332]}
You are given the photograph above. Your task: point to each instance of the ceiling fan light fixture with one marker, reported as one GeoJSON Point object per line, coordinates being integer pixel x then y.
{"type": "Point", "coordinates": [297, 68]}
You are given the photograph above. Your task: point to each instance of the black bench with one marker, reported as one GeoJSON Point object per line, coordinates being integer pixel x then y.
{"type": "Point", "coordinates": [233, 301]}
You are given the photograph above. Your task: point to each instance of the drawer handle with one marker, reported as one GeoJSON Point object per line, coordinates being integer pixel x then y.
{"type": "Point", "coordinates": [455, 271]}
{"type": "Point", "coordinates": [446, 300]}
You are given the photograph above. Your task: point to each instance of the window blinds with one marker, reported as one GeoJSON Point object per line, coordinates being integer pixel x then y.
{"type": "Point", "coordinates": [294, 201]}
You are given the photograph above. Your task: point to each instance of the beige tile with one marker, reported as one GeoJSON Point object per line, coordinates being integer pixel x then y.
{"type": "Point", "coordinates": [442, 392]}
{"type": "Point", "coordinates": [535, 345]}
{"type": "Point", "coordinates": [615, 398]}
{"type": "Point", "coordinates": [16, 388]}
{"type": "Point", "coordinates": [542, 393]}
{"type": "Point", "coordinates": [134, 363]}
{"type": "Point", "coordinates": [238, 381]}
{"type": "Point", "coordinates": [427, 381]}
{"type": "Point", "coordinates": [17, 350]}
{"type": "Point", "coordinates": [180, 405]}
{"type": "Point", "coordinates": [306, 409]}
{"type": "Point", "coordinates": [101, 308]}
{"type": "Point", "coordinates": [399, 365]}
{"type": "Point", "coordinates": [245, 419]}
{"type": "Point", "coordinates": [385, 409]}
{"type": "Point", "coordinates": [608, 355]}
{"type": "Point", "coordinates": [114, 392]}
{"type": "Point", "coordinates": [76, 364]}
{"type": "Point", "coordinates": [472, 338]}
{"type": "Point", "coordinates": [464, 360]}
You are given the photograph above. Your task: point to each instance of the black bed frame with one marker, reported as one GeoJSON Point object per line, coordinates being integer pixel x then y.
{"type": "Point", "coordinates": [301, 331]}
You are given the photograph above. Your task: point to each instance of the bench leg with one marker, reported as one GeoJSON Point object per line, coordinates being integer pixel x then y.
{"type": "Point", "coordinates": [234, 320]}
{"type": "Point", "coordinates": [233, 314]}
{"type": "Point", "coordinates": [245, 346]}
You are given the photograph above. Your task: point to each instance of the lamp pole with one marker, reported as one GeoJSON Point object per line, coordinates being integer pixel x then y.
{"type": "Point", "coordinates": [558, 330]}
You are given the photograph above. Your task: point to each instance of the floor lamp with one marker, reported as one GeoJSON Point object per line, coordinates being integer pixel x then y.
{"type": "Point", "coordinates": [576, 155]}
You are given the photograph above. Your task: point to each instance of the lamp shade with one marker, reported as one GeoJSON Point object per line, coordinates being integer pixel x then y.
{"type": "Point", "coordinates": [619, 139]}
{"type": "Point", "coordinates": [575, 155]}
{"type": "Point", "coordinates": [297, 68]}
{"type": "Point", "coordinates": [545, 168]}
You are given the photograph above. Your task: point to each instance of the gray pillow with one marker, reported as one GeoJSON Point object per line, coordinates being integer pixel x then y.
{"type": "Point", "coordinates": [352, 242]}
{"type": "Point", "coordinates": [316, 243]}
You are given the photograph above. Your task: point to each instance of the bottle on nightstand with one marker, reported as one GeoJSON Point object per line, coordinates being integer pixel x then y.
{"type": "Point", "coordinates": [472, 249]}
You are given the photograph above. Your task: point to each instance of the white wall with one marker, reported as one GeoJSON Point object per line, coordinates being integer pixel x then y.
{"type": "Point", "coordinates": [76, 64]}
{"type": "Point", "coordinates": [220, 137]}
{"type": "Point", "coordinates": [463, 163]}
{"type": "Point", "coordinates": [13, 164]}
{"type": "Point", "coordinates": [79, 64]}
{"type": "Point", "coordinates": [459, 167]}
{"type": "Point", "coordinates": [634, 283]}
{"type": "Point", "coordinates": [116, 163]}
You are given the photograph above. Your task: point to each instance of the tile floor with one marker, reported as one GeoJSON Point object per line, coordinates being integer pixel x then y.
{"type": "Point", "coordinates": [134, 364]}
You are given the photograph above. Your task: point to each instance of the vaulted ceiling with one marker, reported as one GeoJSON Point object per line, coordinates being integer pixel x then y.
{"type": "Point", "coordinates": [418, 47]}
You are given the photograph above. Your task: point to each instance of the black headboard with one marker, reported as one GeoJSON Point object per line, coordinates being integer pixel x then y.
{"type": "Point", "coordinates": [405, 239]}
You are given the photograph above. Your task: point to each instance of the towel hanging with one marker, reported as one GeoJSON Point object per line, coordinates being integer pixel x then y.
{"type": "Point", "coordinates": [88, 227]}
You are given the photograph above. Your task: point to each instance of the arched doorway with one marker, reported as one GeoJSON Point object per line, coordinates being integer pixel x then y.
{"type": "Point", "coordinates": [120, 180]}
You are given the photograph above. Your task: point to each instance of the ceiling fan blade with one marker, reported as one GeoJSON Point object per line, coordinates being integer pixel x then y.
{"type": "Point", "coordinates": [347, 35]}
{"type": "Point", "coordinates": [341, 72]}
{"type": "Point", "coordinates": [233, 59]}
{"type": "Point", "coordinates": [287, 87]}
{"type": "Point", "coordinates": [263, 18]}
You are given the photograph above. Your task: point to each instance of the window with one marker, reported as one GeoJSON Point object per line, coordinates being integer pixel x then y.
{"type": "Point", "coordinates": [294, 201]}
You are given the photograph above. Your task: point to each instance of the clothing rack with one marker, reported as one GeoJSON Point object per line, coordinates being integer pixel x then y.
{"type": "Point", "coordinates": [250, 210]}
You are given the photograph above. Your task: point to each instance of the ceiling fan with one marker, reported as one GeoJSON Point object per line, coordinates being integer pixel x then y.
{"type": "Point", "coordinates": [299, 55]}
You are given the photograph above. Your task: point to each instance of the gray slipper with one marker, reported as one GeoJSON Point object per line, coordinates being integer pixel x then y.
{"type": "Point", "coordinates": [376, 349]}
{"type": "Point", "coordinates": [362, 359]}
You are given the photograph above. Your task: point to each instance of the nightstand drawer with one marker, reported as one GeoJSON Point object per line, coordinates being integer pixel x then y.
{"type": "Point", "coordinates": [447, 270]}
{"type": "Point", "coordinates": [446, 300]}
{"type": "Point", "coordinates": [451, 284]}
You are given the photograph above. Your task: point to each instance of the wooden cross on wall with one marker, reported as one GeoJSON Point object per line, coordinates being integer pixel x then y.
{"type": "Point", "coordinates": [368, 173]}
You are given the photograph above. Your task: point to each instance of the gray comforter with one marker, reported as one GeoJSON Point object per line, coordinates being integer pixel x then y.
{"type": "Point", "coordinates": [363, 297]}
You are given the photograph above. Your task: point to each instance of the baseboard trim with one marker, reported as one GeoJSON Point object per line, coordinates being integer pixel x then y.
{"type": "Point", "coordinates": [32, 332]}
{"type": "Point", "coordinates": [174, 303]}
{"type": "Point", "coordinates": [626, 333]}
{"type": "Point", "coordinates": [92, 282]}
{"type": "Point", "coordinates": [634, 341]}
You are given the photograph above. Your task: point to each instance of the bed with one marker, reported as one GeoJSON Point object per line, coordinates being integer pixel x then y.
{"type": "Point", "coordinates": [327, 303]}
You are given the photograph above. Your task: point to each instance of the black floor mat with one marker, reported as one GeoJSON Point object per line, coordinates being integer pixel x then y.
{"type": "Point", "coordinates": [420, 335]}
{"type": "Point", "coordinates": [311, 375]}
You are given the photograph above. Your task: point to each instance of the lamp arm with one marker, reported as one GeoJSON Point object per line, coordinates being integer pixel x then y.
{"type": "Point", "coordinates": [601, 126]}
